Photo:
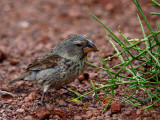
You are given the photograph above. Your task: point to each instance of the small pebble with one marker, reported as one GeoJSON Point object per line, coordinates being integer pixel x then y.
{"type": "Point", "coordinates": [49, 106]}
{"type": "Point", "coordinates": [145, 118]}
{"type": "Point", "coordinates": [108, 113]}
{"type": "Point", "coordinates": [95, 112]}
{"type": "Point", "coordinates": [108, 118]}
{"type": "Point", "coordinates": [28, 118]}
{"type": "Point", "coordinates": [81, 78]}
{"type": "Point", "coordinates": [20, 110]}
{"type": "Point", "coordinates": [24, 24]}
{"type": "Point", "coordinates": [139, 118]}
{"type": "Point", "coordinates": [78, 102]}
{"type": "Point", "coordinates": [138, 112]}
{"type": "Point", "coordinates": [116, 107]}
{"type": "Point", "coordinates": [43, 113]}
{"type": "Point", "coordinates": [88, 114]}
{"type": "Point", "coordinates": [56, 117]}
{"type": "Point", "coordinates": [13, 61]}
{"type": "Point", "coordinates": [115, 117]}
{"type": "Point", "coordinates": [77, 118]}
{"type": "Point", "coordinates": [154, 114]}
{"type": "Point", "coordinates": [100, 117]}
{"type": "Point", "coordinates": [93, 118]}
{"type": "Point", "coordinates": [61, 102]}
{"type": "Point", "coordinates": [128, 112]}
{"type": "Point", "coordinates": [32, 95]}
{"type": "Point", "coordinates": [93, 75]}
{"type": "Point", "coordinates": [146, 113]}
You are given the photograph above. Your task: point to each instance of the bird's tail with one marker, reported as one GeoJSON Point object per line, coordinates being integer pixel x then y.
{"type": "Point", "coordinates": [17, 79]}
{"type": "Point", "coordinates": [29, 76]}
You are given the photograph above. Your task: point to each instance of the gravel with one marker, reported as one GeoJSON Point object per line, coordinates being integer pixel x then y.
{"type": "Point", "coordinates": [30, 28]}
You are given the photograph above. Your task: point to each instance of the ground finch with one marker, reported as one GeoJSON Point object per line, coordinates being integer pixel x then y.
{"type": "Point", "coordinates": [61, 65]}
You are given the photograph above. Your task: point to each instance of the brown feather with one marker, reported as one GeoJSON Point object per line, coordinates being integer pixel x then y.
{"type": "Point", "coordinates": [44, 63]}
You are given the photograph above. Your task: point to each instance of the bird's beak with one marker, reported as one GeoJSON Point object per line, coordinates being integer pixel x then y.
{"type": "Point", "coordinates": [90, 47]}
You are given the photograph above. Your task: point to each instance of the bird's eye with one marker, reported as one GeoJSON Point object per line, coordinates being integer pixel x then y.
{"type": "Point", "coordinates": [79, 45]}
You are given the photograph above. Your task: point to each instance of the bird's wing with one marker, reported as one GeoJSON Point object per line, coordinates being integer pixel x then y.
{"type": "Point", "coordinates": [45, 62]}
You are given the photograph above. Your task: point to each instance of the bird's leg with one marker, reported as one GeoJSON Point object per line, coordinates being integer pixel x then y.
{"type": "Point", "coordinates": [43, 96]}
{"type": "Point", "coordinates": [42, 100]}
{"type": "Point", "coordinates": [75, 94]}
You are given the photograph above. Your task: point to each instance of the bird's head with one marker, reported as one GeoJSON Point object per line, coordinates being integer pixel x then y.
{"type": "Point", "coordinates": [75, 47]}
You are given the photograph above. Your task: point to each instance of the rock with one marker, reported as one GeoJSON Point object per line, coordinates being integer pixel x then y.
{"type": "Point", "coordinates": [138, 112]}
{"type": "Point", "coordinates": [20, 110]}
{"type": "Point", "coordinates": [4, 87]}
{"type": "Point", "coordinates": [92, 75]}
{"type": "Point", "coordinates": [84, 117]}
{"type": "Point", "coordinates": [13, 61]}
{"type": "Point", "coordinates": [77, 118]}
{"type": "Point", "coordinates": [26, 99]}
{"type": "Point", "coordinates": [42, 113]}
{"type": "Point", "coordinates": [153, 113]}
{"type": "Point", "coordinates": [74, 13]}
{"type": "Point", "coordinates": [24, 24]}
{"type": "Point", "coordinates": [20, 103]}
{"type": "Point", "coordinates": [80, 90]}
{"type": "Point", "coordinates": [115, 117]}
{"type": "Point", "coordinates": [4, 115]}
{"type": "Point", "coordinates": [100, 117]}
{"type": "Point", "coordinates": [95, 112]}
{"type": "Point", "coordinates": [128, 112]}
{"type": "Point", "coordinates": [23, 95]}
{"type": "Point", "coordinates": [63, 114]}
{"type": "Point", "coordinates": [146, 113]}
{"type": "Point", "coordinates": [93, 118]}
{"type": "Point", "coordinates": [139, 118]}
{"type": "Point", "coordinates": [49, 106]}
{"type": "Point", "coordinates": [56, 117]}
{"type": "Point", "coordinates": [32, 95]}
{"type": "Point", "coordinates": [88, 114]}
{"type": "Point", "coordinates": [108, 118]}
{"type": "Point", "coordinates": [108, 113]}
{"type": "Point", "coordinates": [11, 69]}
{"type": "Point", "coordinates": [19, 83]}
{"type": "Point", "coordinates": [28, 118]}
{"type": "Point", "coordinates": [61, 102]}
{"type": "Point", "coordinates": [81, 78]}
{"type": "Point", "coordinates": [116, 107]}
{"type": "Point", "coordinates": [109, 7]}
{"type": "Point", "coordinates": [1, 111]}
{"type": "Point", "coordinates": [78, 102]}
{"type": "Point", "coordinates": [44, 39]}
{"type": "Point", "coordinates": [146, 118]}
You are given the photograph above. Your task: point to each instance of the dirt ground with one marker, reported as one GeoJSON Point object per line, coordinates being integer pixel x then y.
{"type": "Point", "coordinates": [29, 28]}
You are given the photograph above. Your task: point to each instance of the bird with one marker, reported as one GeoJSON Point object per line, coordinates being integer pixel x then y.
{"type": "Point", "coordinates": [60, 65]}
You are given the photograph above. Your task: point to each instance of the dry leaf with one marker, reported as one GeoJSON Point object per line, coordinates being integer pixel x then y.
{"type": "Point", "coordinates": [107, 99]}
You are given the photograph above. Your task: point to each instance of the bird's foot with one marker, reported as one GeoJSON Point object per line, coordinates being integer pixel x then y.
{"type": "Point", "coordinates": [42, 105]}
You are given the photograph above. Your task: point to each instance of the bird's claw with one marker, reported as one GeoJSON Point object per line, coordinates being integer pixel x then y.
{"type": "Point", "coordinates": [42, 105]}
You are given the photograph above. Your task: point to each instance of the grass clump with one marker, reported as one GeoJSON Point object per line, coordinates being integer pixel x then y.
{"type": "Point", "coordinates": [144, 76]}
{"type": "Point", "coordinates": [155, 3]}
